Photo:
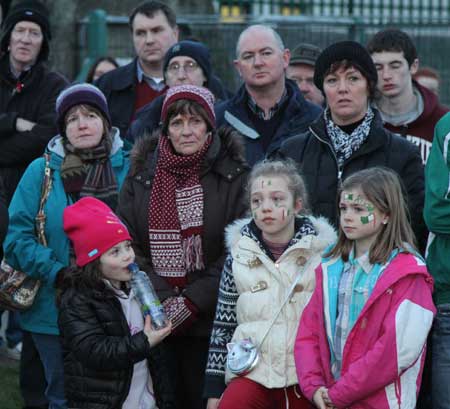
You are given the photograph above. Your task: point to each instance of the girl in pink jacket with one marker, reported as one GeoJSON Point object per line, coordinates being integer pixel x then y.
{"type": "Point", "coordinates": [361, 340]}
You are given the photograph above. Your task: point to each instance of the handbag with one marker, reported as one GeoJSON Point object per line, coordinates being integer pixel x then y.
{"type": "Point", "coordinates": [17, 289]}
{"type": "Point", "coordinates": [243, 355]}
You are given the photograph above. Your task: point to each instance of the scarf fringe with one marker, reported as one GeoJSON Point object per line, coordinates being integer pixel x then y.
{"type": "Point", "coordinates": [193, 253]}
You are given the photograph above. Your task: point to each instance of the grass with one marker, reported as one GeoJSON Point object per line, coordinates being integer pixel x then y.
{"type": "Point", "coordinates": [9, 385]}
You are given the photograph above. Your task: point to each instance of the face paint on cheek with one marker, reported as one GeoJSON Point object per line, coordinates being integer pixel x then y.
{"type": "Point", "coordinates": [269, 183]}
{"type": "Point", "coordinates": [367, 219]}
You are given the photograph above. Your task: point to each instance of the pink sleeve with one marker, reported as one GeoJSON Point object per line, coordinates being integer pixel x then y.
{"type": "Point", "coordinates": [307, 348]}
{"type": "Point", "coordinates": [402, 339]}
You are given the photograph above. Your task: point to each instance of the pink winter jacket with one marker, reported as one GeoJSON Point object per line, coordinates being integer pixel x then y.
{"type": "Point", "coordinates": [383, 357]}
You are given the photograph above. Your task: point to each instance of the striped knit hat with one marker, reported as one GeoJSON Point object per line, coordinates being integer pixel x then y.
{"type": "Point", "coordinates": [201, 95]}
{"type": "Point", "coordinates": [80, 94]}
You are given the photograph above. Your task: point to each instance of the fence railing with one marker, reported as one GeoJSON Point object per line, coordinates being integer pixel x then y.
{"type": "Point", "coordinates": [368, 11]}
{"type": "Point", "coordinates": [432, 40]}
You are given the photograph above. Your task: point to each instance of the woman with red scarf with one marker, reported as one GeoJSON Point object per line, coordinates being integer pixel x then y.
{"type": "Point", "coordinates": [186, 183]}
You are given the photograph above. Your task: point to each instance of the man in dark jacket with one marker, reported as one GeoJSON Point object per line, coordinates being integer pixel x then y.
{"type": "Point", "coordinates": [28, 91]}
{"type": "Point", "coordinates": [186, 62]}
{"type": "Point", "coordinates": [267, 109]}
{"type": "Point", "coordinates": [128, 88]}
{"type": "Point", "coordinates": [407, 108]}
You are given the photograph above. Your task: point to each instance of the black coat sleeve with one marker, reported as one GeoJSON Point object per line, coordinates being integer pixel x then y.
{"type": "Point", "coordinates": [87, 338]}
{"type": "Point", "coordinates": [203, 291]}
{"type": "Point", "coordinates": [22, 147]}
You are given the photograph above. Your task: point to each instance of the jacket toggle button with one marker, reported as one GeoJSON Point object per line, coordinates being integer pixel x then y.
{"type": "Point", "coordinates": [259, 286]}
{"type": "Point", "coordinates": [254, 262]}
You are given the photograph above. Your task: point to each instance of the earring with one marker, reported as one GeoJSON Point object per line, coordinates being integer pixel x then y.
{"type": "Point", "coordinates": [385, 222]}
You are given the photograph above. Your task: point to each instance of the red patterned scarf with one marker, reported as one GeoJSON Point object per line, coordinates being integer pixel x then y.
{"type": "Point", "coordinates": [176, 214]}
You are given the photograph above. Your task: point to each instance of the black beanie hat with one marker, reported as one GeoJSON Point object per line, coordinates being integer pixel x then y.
{"type": "Point", "coordinates": [193, 49]}
{"type": "Point", "coordinates": [27, 10]}
{"type": "Point", "coordinates": [344, 50]}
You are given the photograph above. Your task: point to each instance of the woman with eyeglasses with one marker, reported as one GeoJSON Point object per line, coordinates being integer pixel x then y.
{"type": "Point", "coordinates": [186, 62]}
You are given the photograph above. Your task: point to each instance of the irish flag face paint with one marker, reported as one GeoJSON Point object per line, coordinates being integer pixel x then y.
{"type": "Point", "coordinates": [273, 208]}
{"type": "Point", "coordinates": [360, 220]}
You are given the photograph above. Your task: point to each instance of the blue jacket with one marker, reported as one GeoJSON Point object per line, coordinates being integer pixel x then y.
{"type": "Point", "coordinates": [23, 251]}
{"type": "Point", "coordinates": [296, 118]}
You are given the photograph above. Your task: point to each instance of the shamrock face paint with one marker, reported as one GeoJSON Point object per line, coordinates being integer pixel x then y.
{"type": "Point", "coordinates": [273, 208]}
{"type": "Point", "coordinates": [360, 220]}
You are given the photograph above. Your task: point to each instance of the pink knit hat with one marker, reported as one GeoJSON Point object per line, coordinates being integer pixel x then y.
{"type": "Point", "coordinates": [93, 229]}
{"type": "Point", "coordinates": [201, 95]}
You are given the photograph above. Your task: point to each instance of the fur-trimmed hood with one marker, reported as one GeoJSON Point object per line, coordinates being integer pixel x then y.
{"type": "Point", "coordinates": [326, 234]}
{"type": "Point", "coordinates": [226, 143]}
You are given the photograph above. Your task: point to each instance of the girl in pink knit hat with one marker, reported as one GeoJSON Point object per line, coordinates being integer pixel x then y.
{"type": "Point", "coordinates": [109, 359]}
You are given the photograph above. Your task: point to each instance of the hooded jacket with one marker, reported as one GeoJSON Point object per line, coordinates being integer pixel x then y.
{"type": "Point", "coordinates": [22, 250]}
{"type": "Point", "coordinates": [421, 130]}
{"type": "Point", "coordinates": [383, 356]}
{"type": "Point", "coordinates": [253, 287]}
{"type": "Point", "coordinates": [297, 115]}
{"type": "Point", "coordinates": [223, 177]}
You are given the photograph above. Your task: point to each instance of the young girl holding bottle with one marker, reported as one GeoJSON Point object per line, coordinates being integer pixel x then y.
{"type": "Point", "coordinates": [108, 347]}
{"type": "Point", "coordinates": [271, 260]}
{"type": "Point", "coordinates": [362, 337]}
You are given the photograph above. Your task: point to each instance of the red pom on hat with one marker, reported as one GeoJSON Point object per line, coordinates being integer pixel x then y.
{"type": "Point", "coordinates": [93, 229]}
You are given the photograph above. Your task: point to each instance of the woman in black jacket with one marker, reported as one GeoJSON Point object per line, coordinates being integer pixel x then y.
{"type": "Point", "coordinates": [349, 136]}
{"type": "Point", "coordinates": [186, 183]}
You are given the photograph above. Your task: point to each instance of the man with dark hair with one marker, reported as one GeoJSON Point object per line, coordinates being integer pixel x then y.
{"type": "Point", "coordinates": [268, 108]}
{"type": "Point", "coordinates": [406, 107]}
{"type": "Point", "coordinates": [129, 88]}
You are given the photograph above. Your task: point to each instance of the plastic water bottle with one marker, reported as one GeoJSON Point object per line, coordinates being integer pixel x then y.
{"type": "Point", "coordinates": [146, 294]}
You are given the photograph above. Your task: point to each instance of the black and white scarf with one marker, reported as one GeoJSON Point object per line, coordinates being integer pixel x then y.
{"type": "Point", "coordinates": [344, 144]}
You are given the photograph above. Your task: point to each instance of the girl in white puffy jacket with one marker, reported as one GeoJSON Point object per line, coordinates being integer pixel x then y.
{"type": "Point", "coordinates": [271, 259]}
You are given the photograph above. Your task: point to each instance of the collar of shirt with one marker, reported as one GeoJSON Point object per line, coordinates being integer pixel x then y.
{"type": "Point", "coordinates": [361, 261]}
{"type": "Point", "coordinates": [259, 112]}
{"type": "Point", "coordinates": [156, 83]}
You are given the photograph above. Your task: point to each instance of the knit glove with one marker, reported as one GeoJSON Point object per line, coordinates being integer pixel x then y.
{"type": "Point", "coordinates": [181, 312]}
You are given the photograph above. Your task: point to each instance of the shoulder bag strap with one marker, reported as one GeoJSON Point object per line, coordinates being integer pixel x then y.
{"type": "Point", "coordinates": [288, 296]}
{"type": "Point", "coordinates": [45, 190]}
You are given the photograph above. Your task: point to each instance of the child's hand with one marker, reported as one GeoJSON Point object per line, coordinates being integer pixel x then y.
{"type": "Point", "coordinates": [326, 398]}
{"type": "Point", "coordinates": [213, 403]}
{"type": "Point", "coordinates": [318, 398]}
{"type": "Point", "coordinates": [155, 336]}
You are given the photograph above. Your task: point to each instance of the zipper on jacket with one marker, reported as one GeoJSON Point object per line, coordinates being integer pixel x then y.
{"type": "Point", "coordinates": [339, 168]}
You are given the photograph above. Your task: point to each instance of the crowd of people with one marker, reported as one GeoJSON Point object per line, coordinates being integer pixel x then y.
{"type": "Point", "coordinates": [296, 231]}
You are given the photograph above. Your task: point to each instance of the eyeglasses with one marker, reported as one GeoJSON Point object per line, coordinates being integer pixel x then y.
{"type": "Point", "coordinates": [21, 33]}
{"type": "Point", "coordinates": [188, 67]}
